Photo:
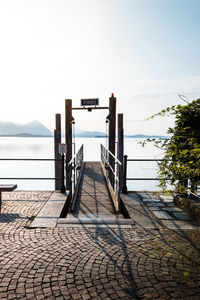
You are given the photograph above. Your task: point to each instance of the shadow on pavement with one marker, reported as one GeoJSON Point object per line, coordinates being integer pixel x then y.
{"type": "Point", "coordinates": [112, 237]}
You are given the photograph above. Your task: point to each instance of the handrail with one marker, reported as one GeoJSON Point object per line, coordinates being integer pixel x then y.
{"type": "Point", "coordinates": [75, 167]}
{"type": "Point", "coordinates": [197, 196]}
{"type": "Point", "coordinates": [32, 159]}
{"type": "Point", "coordinates": [116, 174]}
{"type": "Point", "coordinates": [147, 159]}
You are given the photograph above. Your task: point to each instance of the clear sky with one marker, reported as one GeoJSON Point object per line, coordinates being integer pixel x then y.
{"type": "Point", "coordinates": [146, 52]}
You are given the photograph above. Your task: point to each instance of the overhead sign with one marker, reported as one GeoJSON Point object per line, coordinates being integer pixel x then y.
{"type": "Point", "coordinates": [89, 102]}
{"type": "Point", "coordinates": [62, 148]}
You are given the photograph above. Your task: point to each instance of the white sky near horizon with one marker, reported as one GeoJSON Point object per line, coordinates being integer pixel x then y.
{"type": "Point", "coordinates": [146, 52]}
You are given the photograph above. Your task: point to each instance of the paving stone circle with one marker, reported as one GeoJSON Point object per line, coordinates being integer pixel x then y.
{"type": "Point", "coordinates": [92, 263]}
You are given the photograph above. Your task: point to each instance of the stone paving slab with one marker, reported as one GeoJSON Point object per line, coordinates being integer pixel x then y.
{"type": "Point", "coordinates": [139, 212]}
{"type": "Point", "coordinates": [51, 211]}
{"type": "Point", "coordinates": [162, 215]}
{"type": "Point", "coordinates": [152, 209]}
{"type": "Point", "coordinates": [93, 262]}
{"type": "Point", "coordinates": [179, 224]}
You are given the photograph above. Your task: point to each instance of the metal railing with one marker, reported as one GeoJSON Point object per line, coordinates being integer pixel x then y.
{"type": "Point", "coordinates": [61, 178]}
{"type": "Point", "coordinates": [75, 167]}
{"type": "Point", "coordinates": [125, 178]}
{"type": "Point", "coordinates": [30, 178]}
{"type": "Point", "coordinates": [115, 172]}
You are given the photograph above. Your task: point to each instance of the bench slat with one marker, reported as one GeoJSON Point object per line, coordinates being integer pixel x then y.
{"type": "Point", "coordinates": [7, 187]}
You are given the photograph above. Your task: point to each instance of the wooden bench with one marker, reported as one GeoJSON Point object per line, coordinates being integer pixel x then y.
{"type": "Point", "coordinates": [6, 188]}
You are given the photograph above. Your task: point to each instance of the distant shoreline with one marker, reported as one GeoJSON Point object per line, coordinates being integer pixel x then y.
{"type": "Point", "coordinates": [24, 135]}
{"type": "Point", "coordinates": [79, 136]}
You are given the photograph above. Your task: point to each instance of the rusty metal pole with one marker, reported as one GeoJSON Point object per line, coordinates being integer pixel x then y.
{"type": "Point", "coordinates": [124, 186]}
{"type": "Point", "coordinates": [120, 145]}
{"type": "Point", "coordinates": [68, 140]}
{"type": "Point", "coordinates": [111, 135]}
{"type": "Point", "coordinates": [57, 155]}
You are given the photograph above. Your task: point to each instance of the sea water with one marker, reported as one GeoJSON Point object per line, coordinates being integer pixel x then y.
{"type": "Point", "coordinates": [27, 147]}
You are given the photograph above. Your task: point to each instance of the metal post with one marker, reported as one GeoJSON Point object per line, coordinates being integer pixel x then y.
{"type": "Point", "coordinates": [68, 139]}
{"type": "Point", "coordinates": [63, 190]}
{"type": "Point", "coordinates": [124, 186]}
{"type": "Point", "coordinates": [57, 141]}
{"type": "Point", "coordinates": [120, 145]}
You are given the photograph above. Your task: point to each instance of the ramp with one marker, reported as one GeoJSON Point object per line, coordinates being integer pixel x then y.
{"type": "Point", "coordinates": [93, 205]}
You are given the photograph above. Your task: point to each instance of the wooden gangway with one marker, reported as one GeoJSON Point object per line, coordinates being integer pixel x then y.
{"type": "Point", "coordinates": [93, 202]}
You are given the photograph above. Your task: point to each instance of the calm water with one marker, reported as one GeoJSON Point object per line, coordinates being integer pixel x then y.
{"type": "Point", "coordinates": [11, 147]}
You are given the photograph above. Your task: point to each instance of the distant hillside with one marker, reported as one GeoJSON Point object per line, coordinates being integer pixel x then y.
{"type": "Point", "coordinates": [37, 129]}
{"type": "Point", "coordinates": [80, 133]}
{"type": "Point", "coordinates": [144, 136]}
{"type": "Point", "coordinates": [33, 128]}
{"type": "Point", "coordinates": [98, 134]}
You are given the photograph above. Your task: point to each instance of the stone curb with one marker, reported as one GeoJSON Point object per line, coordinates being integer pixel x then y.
{"type": "Point", "coordinates": [95, 221]}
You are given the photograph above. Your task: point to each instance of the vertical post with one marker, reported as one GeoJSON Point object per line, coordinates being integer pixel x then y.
{"type": "Point", "coordinates": [120, 145]}
{"type": "Point", "coordinates": [0, 201]}
{"type": "Point", "coordinates": [62, 175]}
{"type": "Point", "coordinates": [124, 186]}
{"type": "Point", "coordinates": [111, 135]}
{"type": "Point", "coordinates": [57, 141]}
{"type": "Point", "coordinates": [68, 140]}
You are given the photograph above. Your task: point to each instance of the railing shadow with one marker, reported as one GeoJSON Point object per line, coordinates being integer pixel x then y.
{"type": "Point", "coordinates": [113, 238]}
{"type": "Point", "coordinates": [9, 218]}
{"type": "Point", "coordinates": [91, 173]}
{"type": "Point", "coordinates": [180, 232]}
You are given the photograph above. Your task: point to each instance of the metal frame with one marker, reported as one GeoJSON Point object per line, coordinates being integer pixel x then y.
{"type": "Point", "coordinates": [115, 188]}
{"type": "Point", "coordinates": [90, 107]}
{"type": "Point", "coordinates": [75, 168]}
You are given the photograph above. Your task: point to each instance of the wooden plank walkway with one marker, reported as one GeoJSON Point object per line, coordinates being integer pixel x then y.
{"type": "Point", "coordinates": [93, 201]}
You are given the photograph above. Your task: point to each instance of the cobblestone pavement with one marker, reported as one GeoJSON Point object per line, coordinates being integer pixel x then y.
{"type": "Point", "coordinates": [92, 263]}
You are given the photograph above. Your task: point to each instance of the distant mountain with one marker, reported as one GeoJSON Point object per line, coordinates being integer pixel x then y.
{"type": "Point", "coordinates": [97, 134]}
{"type": "Point", "coordinates": [36, 128]}
{"type": "Point", "coordinates": [144, 136]}
{"type": "Point", "coordinates": [81, 133]}
{"type": "Point", "coordinates": [33, 128]}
